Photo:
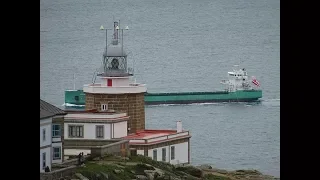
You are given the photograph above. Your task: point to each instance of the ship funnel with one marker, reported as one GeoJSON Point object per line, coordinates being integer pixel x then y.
{"type": "Point", "coordinates": [179, 126]}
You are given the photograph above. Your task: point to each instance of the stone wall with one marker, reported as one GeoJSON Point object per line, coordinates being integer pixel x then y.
{"type": "Point", "coordinates": [120, 148]}
{"type": "Point", "coordinates": [69, 162]}
{"type": "Point", "coordinates": [132, 104]}
{"type": "Point", "coordinates": [100, 147]}
{"type": "Point", "coordinates": [87, 142]}
{"type": "Point", "coordinates": [57, 174]}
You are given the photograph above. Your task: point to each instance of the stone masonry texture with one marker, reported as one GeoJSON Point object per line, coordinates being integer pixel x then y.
{"type": "Point", "coordinates": [132, 104]}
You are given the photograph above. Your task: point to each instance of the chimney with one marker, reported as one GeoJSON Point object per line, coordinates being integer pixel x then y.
{"type": "Point", "coordinates": [179, 126]}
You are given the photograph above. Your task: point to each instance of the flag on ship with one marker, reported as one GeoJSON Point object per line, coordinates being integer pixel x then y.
{"type": "Point", "coordinates": [255, 81]}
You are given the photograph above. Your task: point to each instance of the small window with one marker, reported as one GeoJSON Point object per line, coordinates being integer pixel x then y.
{"type": "Point", "coordinates": [75, 131]}
{"type": "Point", "coordinates": [56, 128]}
{"type": "Point", "coordinates": [56, 153]}
{"type": "Point", "coordinates": [164, 154]}
{"type": "Point", "coordinates": [43, 160]}
{"type": "Point", "coordinates": [99, 131]}
{"type": "Point", "coordinates": [104, 107]}
{"type": "Point", "coordinates": [172, 152]}
{"type": "Point", "coordinates": [155, 155]}
{"type": "Point", "coordinates": [43, 134]}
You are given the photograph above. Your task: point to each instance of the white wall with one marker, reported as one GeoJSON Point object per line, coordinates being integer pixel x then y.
{"type": "Point", "coordinates": [181, 153]}
{"type": "Point", "coordinates": [74, 152]}
{"type": "Point", "coordinates": [48, 157]}
{"type": "Point", "coordinates": [114, 90]}
{"type": "Point", "coordinates": [120, 82]}
{"type": "Point", "coordinates": [120, 129]}
{"type": "Point", "coordinates": [116, 81]}
{"type": "Point", "coordinates": [57, 145]}
{"type": "Point", "coordinates": [56, 139]}
{"type": "Point", "coordinates": [159, 153]}
{"type": "Point", "coordinates": [141, 152]}
{"type": "Point", "coordinates": [76, 116]}
{"type": "Point", "coordinates": [46, 124]}
{"type": "Point", "coordinates": [89, 130]}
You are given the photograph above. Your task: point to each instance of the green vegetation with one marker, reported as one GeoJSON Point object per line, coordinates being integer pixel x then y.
{"type": "Point", "coordinates": [141, 167]}
{"type": "Point", "coordinates": [94, 171]}
{"type": "Point", "coordinates": [191, 170]}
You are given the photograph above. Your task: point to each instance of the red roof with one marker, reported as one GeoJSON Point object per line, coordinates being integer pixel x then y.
{"type": "Point", "coordinates": [149, 133]}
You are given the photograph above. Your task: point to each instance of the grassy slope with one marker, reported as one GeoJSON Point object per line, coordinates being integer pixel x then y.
{"type": "Point", "coordinates": [128, 169]}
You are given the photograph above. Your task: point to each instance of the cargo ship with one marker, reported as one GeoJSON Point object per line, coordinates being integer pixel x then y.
{"type": "Point", "coordinates": [238, 86]}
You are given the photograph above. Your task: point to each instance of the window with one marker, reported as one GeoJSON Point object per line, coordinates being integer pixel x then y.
{"type": "Point", "coordinates": [56, 153]}
{"type": "Point", "coordinates": [99, 131]}
{"type": "Point", "coordinates": [43, 160]}
{"type": "Point", "coordinates": [104, 107]}
{"type": "Point", "coordinates": [43, 134]}
{"type": "Point", "coordinates": [155, 154]}
{"type": "Point", "coordinates": [76, 131]}
{"type": "Point", "coordinates": [164, 154]}
{"type": "Point", "coordinates": [172, 152]}
{"type": "Point", "coordinates": [56, 128]}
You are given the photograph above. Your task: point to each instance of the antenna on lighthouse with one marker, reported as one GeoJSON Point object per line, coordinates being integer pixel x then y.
{"type": "Point", "coordinates": [114, 58]}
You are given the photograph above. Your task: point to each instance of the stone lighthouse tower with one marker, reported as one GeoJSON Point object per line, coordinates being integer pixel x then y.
{"type": "Point", "coordinates": [116, 91]}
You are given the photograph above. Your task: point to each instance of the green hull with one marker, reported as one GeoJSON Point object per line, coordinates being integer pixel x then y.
{"type": "Point", "coordinates": [74, 97]}
{"type": "Point", "coordinates": [77, 97]}
{"type": "Point", "coordinates": [202, 97]}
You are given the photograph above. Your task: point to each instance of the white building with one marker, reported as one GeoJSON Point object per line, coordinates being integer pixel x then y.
{"type": "Point", "coordinates": [45, 139]}
{"type": "Point", "coordinates": [56, 130]}
{"type": "Point", "coordinates": [87, 127]}
{"type": "Point", "coordinates": [172, 146]}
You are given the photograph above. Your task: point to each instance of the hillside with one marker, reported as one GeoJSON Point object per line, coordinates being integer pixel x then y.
{"type": "Point", "coordinates": [140, 167]}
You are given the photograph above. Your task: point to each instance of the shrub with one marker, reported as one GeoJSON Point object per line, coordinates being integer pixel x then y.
{"type": "Point", "coordinates": [139, 168]}
{"type": "Point", "coordinates": [191, 170]}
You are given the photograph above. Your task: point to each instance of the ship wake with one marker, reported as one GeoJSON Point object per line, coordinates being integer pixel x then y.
{"type": "Point", "coordinates": [267, 102]}
{"type": "Point", "coordinates": [72, 105]}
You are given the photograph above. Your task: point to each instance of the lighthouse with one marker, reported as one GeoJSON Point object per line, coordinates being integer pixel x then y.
{"type": "Point", "coordinates": [116, 91]}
